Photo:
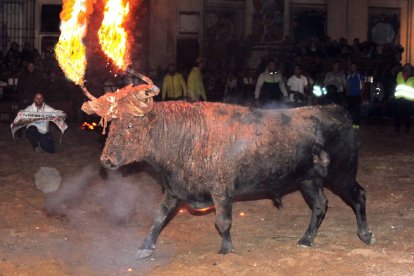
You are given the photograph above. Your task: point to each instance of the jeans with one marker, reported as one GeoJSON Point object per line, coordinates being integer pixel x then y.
{"type": "Point", "coordinates": [37, 139]}
{"type": "Point", "coordinates": [404, 109]}
{"type": "Point", "coordinates": [354, 106]}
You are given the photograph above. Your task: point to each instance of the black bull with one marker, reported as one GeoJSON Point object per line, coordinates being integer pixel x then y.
{"type": "Point", "coordinates": [210, 153]}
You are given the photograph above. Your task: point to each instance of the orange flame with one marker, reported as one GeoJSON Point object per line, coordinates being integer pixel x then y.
{"type": "Point", "coordinates": [89, 126]}
{"type": "Point", "coordinates": [204, 210]}
{"type": "Point", "coordinates": [112, 35]}
{"type": "Point", "coordinates": [70, 51]}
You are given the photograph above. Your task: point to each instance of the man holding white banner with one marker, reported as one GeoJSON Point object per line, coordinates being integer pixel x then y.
{"type": "Point", "coordinates": [36, 118]}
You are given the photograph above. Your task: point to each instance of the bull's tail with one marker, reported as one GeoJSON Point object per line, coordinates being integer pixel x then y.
{"type": "Point", "coordinates": [277, 200]}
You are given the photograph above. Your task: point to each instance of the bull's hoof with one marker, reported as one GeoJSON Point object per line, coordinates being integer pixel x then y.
{"type": "Point", "coordinates": [367, 238]}
{"type": "Point", "coordinates": [224, 252]}
{"type": "Point", "coordinates": [305, 242]}
{"type": "Point", "coordinates": [143, 253]}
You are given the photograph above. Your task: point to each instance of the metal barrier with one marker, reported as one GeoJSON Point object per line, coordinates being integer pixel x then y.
{"type": "Point", "coordinates": [17, 21]}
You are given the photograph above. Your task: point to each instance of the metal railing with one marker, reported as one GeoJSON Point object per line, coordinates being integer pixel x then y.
{"type": "Point", "coordinates": [17, 19]}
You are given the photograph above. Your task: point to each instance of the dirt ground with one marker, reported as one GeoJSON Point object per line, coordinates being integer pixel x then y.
{"type": "Point", "coordinates": [98, 223]}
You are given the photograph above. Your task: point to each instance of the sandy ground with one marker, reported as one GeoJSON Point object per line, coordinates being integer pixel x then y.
{"type": "Point", "coordinates": [98, 223]}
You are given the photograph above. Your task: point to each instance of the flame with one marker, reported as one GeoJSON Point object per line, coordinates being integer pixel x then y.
{"type": "Point", "coordinates": [203, 210]}
{"type": "Point", "coordinates": [196, 211]}
{"type": "Point", "coordinates": [70, 51]}
{"type": "Point", "coordinates": [89, 126]}
{"type": "Point", "coordinates": [112, 35]}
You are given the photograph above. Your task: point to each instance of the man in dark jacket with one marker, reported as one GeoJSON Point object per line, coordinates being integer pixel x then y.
{"type": "Point", "coordinates": [29, 80]}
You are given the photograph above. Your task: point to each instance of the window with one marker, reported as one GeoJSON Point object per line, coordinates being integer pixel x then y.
{"type": "Point", "coordinates": [50, 21]}
{"type": "Point", "coordinates": [16, 23]}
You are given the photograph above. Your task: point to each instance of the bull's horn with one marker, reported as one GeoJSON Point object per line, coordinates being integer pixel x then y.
{"type": "Point", "coordinates": [141, 76]}
{"type": "Point", "coordinates": [86, 92]}
{"type": "Point", "coordinates": [155, 90]}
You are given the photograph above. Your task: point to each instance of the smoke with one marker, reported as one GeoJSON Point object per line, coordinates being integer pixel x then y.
{"type": "Point", "coordinates": [276, 105]}
{"type": "Point", "coordinates": [124, 197]}
{"type": "Point", "coordinates": [240, 100]}
{"type": "Point", "coordinates": [70, 191]}
{"type": "Point", "coordinates": [107, 219]}
{"type": "Point", "coordinates": [117, 195]}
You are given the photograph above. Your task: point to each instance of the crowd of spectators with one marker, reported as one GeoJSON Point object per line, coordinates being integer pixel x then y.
{"type": "Point", "coordinates": [226, 76]}
{"type": "Point", "coordinates": [379, 64]}
{"type": "Point", "coordinates": [27, 71]}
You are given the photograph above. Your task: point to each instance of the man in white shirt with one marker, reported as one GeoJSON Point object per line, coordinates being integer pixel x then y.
{"type": "Point", "coordinates": [335, 82]}
{"type": "Point", "coordinates": [270, 85]}
{"type": "Point", "coordinates": [297, 85]}
{"type": "Point", "coordinates": [38, 131]}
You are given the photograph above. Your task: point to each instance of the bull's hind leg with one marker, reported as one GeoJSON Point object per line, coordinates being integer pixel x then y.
{"type": "Point", "coordinates": [166, 209]}
{"type": "Point", "coordinates": [224, 206]}
{"type": "Point", "coordinates": [313, 193]}
{"type": "Point", "coordinates": [355, 197]}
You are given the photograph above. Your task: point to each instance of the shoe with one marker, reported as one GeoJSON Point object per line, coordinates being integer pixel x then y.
{"type": "Point", "coordinates": [355, 126]}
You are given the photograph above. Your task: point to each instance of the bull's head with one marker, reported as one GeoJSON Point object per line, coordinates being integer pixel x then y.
{"type": "Point", "coordinates": [128, 140]}
{"type": "Point", "coordinates": [127, 108]}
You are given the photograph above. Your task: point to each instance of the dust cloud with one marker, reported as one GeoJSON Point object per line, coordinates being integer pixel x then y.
{"type": "Point", "coordinates": [115, 212]}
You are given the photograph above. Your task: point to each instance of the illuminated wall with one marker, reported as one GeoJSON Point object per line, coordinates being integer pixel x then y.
{"type": "Point", "coordinates": [172, 20]}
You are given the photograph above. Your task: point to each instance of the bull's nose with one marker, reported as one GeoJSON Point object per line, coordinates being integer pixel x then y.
{"type": "Point", "coordinates": [107, 163]}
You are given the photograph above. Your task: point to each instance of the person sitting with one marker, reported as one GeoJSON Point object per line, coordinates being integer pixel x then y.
{"type": "Point", "coordinates": [38, 131]}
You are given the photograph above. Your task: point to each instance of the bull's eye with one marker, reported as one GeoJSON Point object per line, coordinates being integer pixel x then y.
{"type": "Point", "coordinates": [130, 125]}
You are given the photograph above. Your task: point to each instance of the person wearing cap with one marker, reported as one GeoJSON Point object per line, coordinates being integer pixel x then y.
{"type": "Point", "coordinates": [270, 85]}
{"type": "Point", "coordinates": [195, 85]}
{"type": "Point", "coordinates": [404, 98]}
{"type": "Point", "coordinates": [174, 87]}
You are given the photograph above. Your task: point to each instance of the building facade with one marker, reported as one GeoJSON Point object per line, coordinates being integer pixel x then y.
{"type": "Point", "coordinates": [180, 30]}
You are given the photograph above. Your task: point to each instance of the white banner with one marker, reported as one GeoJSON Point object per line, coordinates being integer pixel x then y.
{"type": "Point", "coordinates": [25, 118]}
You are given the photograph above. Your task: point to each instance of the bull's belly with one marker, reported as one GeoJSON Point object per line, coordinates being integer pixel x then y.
{"type": "Point", "coordinates": [201, 204]}
{"type": "Point", "coordinates": [279, 182]}
{"type": "Point", "coordinates": [197, 192]}
{"type": "Point", "coordinates": [199, 196]}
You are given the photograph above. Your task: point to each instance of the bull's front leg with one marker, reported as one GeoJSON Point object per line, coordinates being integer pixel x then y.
{"type": "Point", "coordinates": [166, 209]}
{"type": "Point", "coordinates": [224, 206]}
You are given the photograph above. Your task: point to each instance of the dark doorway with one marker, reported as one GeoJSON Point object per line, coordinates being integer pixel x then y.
{"type": "Point", "coordinates": [188, 50]}
{"type": "Point", "coordinates": [50, 20]}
